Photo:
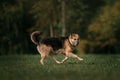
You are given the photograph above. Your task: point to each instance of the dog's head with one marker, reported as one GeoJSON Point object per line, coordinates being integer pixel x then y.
{"type": "Point", "coordinates": [74, 39]}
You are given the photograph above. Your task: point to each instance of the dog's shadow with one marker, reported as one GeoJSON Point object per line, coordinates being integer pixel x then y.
{"type": "Point", "coordinates": [91, 63]}
{"type": "Point", "coordinates": [74, 63]}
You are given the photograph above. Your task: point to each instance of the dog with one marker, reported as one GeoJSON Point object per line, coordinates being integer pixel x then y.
{"type": "Point", "coordinates": [53, 45]}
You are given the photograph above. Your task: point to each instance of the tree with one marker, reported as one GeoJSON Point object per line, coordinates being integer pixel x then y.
{"type": "Point", "coordinates": [102, 31]}
{"type": "Point", "coordinates": [46, 14]}
{"type": "Point", "coordinates": [14, 22]}
{"type": "Point", "coordinates": [63, 17]}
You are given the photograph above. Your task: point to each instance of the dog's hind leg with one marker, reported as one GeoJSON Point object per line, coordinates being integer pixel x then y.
{"type": "Point", "coordinates": [42, 59]}
{"type": "Point", "coordinates": [70, 54]}
{"type": "Point", "coordinates": [43, 55]}
{"type": "Point", "coordinates": [58, 62]}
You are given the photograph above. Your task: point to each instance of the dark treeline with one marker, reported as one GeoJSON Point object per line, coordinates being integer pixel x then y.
{"type": "Point", "coordinates": [96, 21]}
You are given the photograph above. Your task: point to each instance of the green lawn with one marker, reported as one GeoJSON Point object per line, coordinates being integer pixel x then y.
{"type": "Point", "coordinates": [27, 67]}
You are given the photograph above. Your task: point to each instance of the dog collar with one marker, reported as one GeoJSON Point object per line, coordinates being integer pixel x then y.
{"type": "Point", "coordinates": [70, 44]}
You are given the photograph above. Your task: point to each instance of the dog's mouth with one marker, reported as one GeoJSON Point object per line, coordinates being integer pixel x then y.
{"type": "Point", "coordinates": [75, 43]}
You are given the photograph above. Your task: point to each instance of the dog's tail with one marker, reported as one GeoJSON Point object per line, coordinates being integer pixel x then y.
{"type": "Point", "coordinates": [35, 37]}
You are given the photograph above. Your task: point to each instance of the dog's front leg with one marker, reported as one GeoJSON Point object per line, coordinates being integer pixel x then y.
{"type": "Point", "coordinates": [70, 54]}
{"type": "Point", "coordinates": [66, 57]}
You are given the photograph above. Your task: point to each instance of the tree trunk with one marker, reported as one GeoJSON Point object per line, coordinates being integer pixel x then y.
{"type": "Point", "coordinates": [63, 17]}
{"type": "Point", "coordinates": [51, 31]}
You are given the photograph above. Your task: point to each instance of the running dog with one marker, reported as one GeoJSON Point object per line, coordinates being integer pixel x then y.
{"type": "Point", "coordinates": [52, 46]}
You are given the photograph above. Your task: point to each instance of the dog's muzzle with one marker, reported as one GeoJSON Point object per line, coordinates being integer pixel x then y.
{"type": "Point", "coordinates": [74, 43]}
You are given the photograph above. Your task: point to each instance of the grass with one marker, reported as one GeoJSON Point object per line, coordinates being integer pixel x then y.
{"type": "Point", "coordinates": [27, 67]}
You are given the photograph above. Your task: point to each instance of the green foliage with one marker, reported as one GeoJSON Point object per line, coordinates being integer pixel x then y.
{"type": "Point", "coordinates": [79, 14]}
{"type": "Point", "coordinates": [46, 14]}
{"type": "Point", "coordinates": [13, 27]}
{"type": "Point", "coordinates": [97, 22]}
{"type": "Point", "coordinates": [102, 30]}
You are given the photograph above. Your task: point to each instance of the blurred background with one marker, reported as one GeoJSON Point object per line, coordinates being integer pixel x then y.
{"type": "Point", "coordinates": [96, 21]}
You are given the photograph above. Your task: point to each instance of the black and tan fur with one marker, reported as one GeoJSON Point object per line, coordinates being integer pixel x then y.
{"type": "Point", "coordinates": [51, 46]}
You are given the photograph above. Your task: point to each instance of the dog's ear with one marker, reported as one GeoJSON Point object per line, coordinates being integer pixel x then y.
{"type": "Point", "coordinates": [71, 35]}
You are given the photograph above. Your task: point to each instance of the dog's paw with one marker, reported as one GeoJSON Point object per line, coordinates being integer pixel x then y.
{"type": "Point", "coordinates": [58, 62]}
{"type": "Point", "coordinates": [81, 59]}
